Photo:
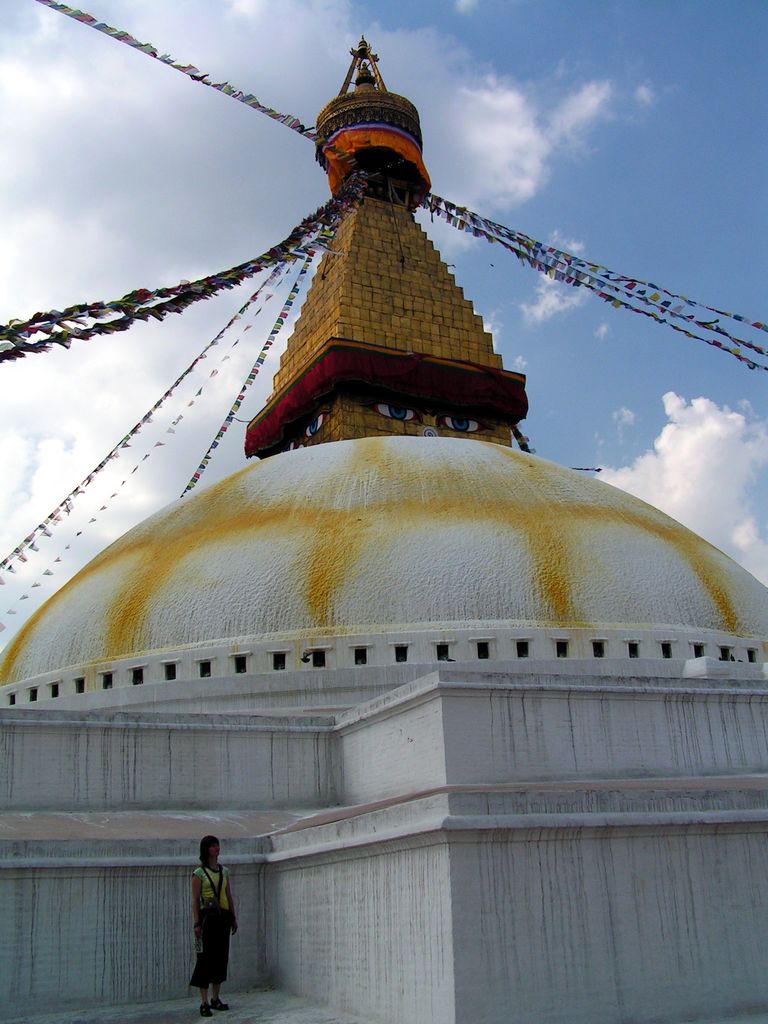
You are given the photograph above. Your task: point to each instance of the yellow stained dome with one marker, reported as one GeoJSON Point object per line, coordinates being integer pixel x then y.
{"type": "Point", "coordinates": [378, 533]}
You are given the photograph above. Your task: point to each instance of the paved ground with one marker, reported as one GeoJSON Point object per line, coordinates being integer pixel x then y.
{"type": "Point", "coordinates": [256, 1007]}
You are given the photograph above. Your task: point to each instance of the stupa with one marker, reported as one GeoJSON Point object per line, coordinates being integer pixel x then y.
{"type": "Point", "coordinates": [486, 740]}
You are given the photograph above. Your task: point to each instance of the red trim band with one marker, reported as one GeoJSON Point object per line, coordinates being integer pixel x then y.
{"type": "Point", "coordinates": [460, 384]}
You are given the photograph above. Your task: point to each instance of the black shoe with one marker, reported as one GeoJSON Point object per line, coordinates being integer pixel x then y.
{"type": "Point", "coordinates": [205, 1010]}
{"type": "Point", "coordinates": [217, 1004]}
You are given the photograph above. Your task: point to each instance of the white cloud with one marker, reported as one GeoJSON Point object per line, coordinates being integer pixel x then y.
{"type": "Point", "coordinates": [750, 548]}
{"type": "Point", "coordinates": [602, 331]}
{"type": "Point", "coordinates": [624, 417]}
{"type": "Point", "coordinates": [247, 8]}
{"type": "Point", "coordinates": [501, 133]}
{"type": "Point", "coordinates": [519, 363]}
{"type": "Point", "coordinates": [701, 471]}
{"type": "Point", "coordinates": [561, 241]}
{"type": "Point", "coordinates": [552, 299]}
{"type": "Point", "coordinates": [498, 143]}
{"type": "Point", "coordinates": [578, 112]}
{"type": "Point", "coordinates": [449, 242]}
{"type": "Point", "coordinates": [644, 95]}
{"type": "Point", "coordinates": [465, 6]}
{"type": "Point", "coordinates": [495, 326]}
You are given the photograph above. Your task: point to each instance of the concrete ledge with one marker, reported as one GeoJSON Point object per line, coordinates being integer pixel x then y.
{"type": "Point", "coordinates": [144, 761]}
{"type": "Point", "coordinates": [556, 684]}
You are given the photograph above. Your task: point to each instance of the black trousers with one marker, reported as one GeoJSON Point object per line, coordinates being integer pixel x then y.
{"type": "Point", "coordinates": [211, 964]}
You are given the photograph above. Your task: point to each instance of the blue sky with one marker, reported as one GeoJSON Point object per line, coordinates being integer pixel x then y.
{"type": "Point", "coordinates": [631, 133]}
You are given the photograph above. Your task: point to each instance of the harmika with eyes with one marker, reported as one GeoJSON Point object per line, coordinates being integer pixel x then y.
{"type": "Point", "coordinates": [214, 920]}
{"type": "Point", "coordinates": [453, 423]}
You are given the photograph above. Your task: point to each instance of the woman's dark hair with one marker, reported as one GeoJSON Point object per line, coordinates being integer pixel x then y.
{"type": "Point", "coordinates": [205, 844]}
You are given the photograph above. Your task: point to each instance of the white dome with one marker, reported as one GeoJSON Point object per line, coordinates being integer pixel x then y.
{"type": "Point", "coordinates": [367, 535]}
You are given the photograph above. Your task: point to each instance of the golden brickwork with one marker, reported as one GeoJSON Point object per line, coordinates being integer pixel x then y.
{"type": "Point", "coordinates": [354, 414]}
{"type": "Point", "coordinates": [367, 294]}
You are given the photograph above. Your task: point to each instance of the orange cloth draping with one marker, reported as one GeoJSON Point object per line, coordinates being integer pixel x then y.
{"type": "Point", "coordinates": [341, 148]}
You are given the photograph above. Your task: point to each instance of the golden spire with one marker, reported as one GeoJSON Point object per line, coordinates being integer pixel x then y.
{"type": "Point", "coordinates": [373, 130]}
{"type": "Point", "coordinates": [386, 342]}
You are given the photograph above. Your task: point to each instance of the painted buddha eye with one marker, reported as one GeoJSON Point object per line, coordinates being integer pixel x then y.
{"type": "Point", "coordinates": [459, 423]}
{"type": "Point", "coordinates": [293, 445]}
{"type": "Point", "coordinates": [315, 425]}
{"type": "Point", "coordinates": [395, 412]}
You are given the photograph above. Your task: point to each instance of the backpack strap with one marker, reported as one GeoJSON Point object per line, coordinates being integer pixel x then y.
{"type": "Point", "coordinates": [216, 892]}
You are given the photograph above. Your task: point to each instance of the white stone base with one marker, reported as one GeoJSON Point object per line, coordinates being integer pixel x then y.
{"type": "Point", "coordinates": [86, 931]}
{"type": "Point", "coordinates": [471, 848]}
{"type": "Point", "coordinates": [479, 919]}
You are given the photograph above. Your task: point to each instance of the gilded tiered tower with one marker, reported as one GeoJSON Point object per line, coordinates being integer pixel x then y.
{"type": "Point", "coordinates": [386, 342]}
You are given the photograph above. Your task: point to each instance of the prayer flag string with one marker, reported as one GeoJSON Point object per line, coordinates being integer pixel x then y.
{"type": "Point", "coordinates": [631, 283]}
{"type": "Point", "coordinates": [568, 260]}
{"type": "Point", "coordinates": [282, 317]}
{"type": "Point", "coordinates": [64, 507]}
{"type": "Point", "coordinates": [17, 338]}
{"type": "Point", "coordinates": [189, 70]}
{"type": "Point", "coordinates": [523, 442]}
{"type": "Point", "coordinates": [53, 568]}
{"type": "Point", "coordinates": [618, 290]}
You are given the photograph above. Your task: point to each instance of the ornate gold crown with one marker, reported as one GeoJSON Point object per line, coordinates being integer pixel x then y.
{"type": "Point", "coordinates": [366, 107]}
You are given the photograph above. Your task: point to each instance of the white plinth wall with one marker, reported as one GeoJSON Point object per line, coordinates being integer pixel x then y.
{"type": "Point", "coordinates": [470, 848]}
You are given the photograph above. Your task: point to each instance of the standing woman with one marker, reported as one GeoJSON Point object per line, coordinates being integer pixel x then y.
{"type": "Point", "coordinates": [213, 916]}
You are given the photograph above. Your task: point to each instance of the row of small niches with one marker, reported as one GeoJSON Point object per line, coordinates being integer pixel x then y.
{"type": "Point", "coordinates": [316, 657]}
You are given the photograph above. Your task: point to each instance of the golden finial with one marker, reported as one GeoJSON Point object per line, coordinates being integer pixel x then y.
{"type": "Point", "coordinates": [365, 62]}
